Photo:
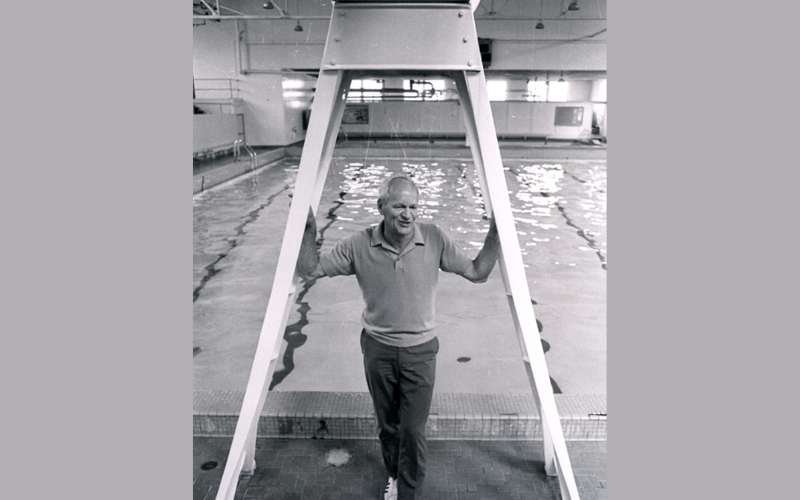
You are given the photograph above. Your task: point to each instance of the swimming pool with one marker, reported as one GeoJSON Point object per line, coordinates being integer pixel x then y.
{"type": "Point", "coordinates": [560, 216]}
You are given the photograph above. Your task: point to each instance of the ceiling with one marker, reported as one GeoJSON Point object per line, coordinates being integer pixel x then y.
{"type": "Point", "coordinates": [505, 21]}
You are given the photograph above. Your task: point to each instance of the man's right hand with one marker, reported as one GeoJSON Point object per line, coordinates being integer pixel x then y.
{"type": "Point", "coordinates": [308, 260]}
{"type": "Point", "coordinates": [311, 221]}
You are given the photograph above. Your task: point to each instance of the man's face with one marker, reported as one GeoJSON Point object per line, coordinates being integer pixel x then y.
{"type": "Point", "coordinates": [400, 210]}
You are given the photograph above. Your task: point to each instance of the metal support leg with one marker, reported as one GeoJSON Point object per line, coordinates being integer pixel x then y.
{"type": "Point", "coordinates": [250, 444]}
{"type": "Point", "coordinates": [549, 453]}
{"type": "Point", "coordinates": [332, 132]}
{"type": "Point", "coordinates": [328, 107]}
{"type": "Point", "coordinates": [322, 173]}
{"type": "Point", "coordinates": [488, 163]}
{"type": "Point", "coordinates": [478, 155]}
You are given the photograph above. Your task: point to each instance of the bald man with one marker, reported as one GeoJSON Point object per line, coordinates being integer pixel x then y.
{"type": "Point", "coordinates": [397, 266]}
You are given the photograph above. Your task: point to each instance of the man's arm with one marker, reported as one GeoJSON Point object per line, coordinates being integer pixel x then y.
{"type": "Point", "coordinates": [308, 265]}
{"type": "Point", "coordinates": [482, 266]}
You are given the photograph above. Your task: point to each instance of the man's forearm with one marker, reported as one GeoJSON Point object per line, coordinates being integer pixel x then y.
{"type": "Point", "coordinates": [484, 263]}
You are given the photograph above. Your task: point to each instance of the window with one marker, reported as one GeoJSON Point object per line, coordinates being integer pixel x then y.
{"type": "Point", "coordinates": [365, 90]}
{"type": "Point", "coordinates": [548, 91]}
{"type": "Point", "coordinates": [599, 91]}
{"type": "Point", "coordinates": [496, 89]}
{"type": "Point", "coordinates": [558, 91]}
{"type": "Point", "coordinates": [537, 91]}
{"type": "Point", "coordinates": [411, 90]}
{"type": "Point", "coordinates": [438, 90]}
{"type": "Point", "coordinates": [297, 94]}
{"type": "Point", "coordinates": [423, 90]}
{"type": "Point", "coordinates": [293, 84]}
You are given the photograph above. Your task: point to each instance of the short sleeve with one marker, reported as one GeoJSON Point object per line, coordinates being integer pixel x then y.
{"type": "Point", "coordinates": [338, 261]}
{"type": "Point", "coordinates": [453, 259]}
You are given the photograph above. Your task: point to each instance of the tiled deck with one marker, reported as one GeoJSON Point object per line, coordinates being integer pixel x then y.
{"type": "Point", "coordinates": [476, 470]}
{"type": "Point", "coordinates": [350, 416]}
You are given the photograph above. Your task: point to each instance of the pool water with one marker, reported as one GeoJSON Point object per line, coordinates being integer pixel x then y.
{"type": "Point", "coordinates": [559, 210]}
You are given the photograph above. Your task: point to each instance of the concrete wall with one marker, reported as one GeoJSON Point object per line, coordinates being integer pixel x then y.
{"type": "Point", "coordinates": [212, 131]}
{"type": "Point", "coordinates": [580, 90]}
{"type": "Point", "coordinates": [214, 54]}
{"type": "Point", "coordinates": [444, 118]}
{"type": "Point", "coordinates": [262, 94]}
{"type": "Point", "coordinates": [548, 55]}
{"type": "Point", "coordinates": [271, 47]}
{"type": "Point", "coordinates": [598, 92]}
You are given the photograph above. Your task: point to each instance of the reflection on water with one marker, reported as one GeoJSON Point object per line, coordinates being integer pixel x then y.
{"type": "Point", "coordinates": [550, 201]}
{"type": "Point", "coordinates": [557, 207]}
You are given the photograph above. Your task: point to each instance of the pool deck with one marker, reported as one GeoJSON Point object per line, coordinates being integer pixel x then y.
{"type": "Point", "coordinates": [291, 469]}
{"type": "Point", "coordinates": [494, 406]}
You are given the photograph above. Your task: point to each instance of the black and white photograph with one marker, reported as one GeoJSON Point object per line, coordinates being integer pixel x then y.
{"type": "Point", "coordinates": [400, 249]}
{"type": "Point", "coordinates": [398, 246]}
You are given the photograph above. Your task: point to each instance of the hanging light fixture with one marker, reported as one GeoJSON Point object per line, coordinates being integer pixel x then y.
{"type": "Point", "coordinates": [562, 77]}
{"type": "Point", "coordinates": [574, 6]}
{"type": "Point", "coordinates": [298, 27]}
{"type": "Point", "coordinates": [272, 6]}
{"type": "Point", "coordinates": [540, 24]}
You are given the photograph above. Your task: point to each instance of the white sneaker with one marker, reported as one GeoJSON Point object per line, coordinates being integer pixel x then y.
{"type": "Point", "coordinates": [391, 490]}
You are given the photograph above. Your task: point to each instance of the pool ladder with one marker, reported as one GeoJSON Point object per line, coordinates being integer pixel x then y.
{"type": "Point", "coordinates": [237, 151]}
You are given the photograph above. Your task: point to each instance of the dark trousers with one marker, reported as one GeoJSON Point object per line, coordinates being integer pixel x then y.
{"type": "Point", "coordinates": [400, 381]}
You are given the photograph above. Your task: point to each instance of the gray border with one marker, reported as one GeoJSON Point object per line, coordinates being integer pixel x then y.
{"type": "Point", "coordinates": [96, 251]}
{"type": "Point", "coordinates": [697, 384]}
{"type": "Point", "coordinates": [97, 237]}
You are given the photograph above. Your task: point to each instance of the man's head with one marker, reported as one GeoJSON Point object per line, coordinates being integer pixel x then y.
{"type": "Point", "coordinates": [398, 198]}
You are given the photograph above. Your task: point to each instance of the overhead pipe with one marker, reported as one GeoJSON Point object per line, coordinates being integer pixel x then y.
{"type": "Point", "coordinates": [495, 18]}
{"type": "Point", "coordinates": [279, 42]}
{"type": "Point", "coordinates": [238, 49]}
{"type": "Point", "coordinates": [328, 18]}
{"type": "Point", "coordinates": [586, 39]}
{"type": "Point", "coordinates": [275, 72]}
{"type": "Point", "coordinates": [283, 15]}
{"type": "Point", "coordinates": [267, 18]}
{"type": "Point", "coordinates": [210, 8]}
{"type": "Point", "coordinates": [498, 40]}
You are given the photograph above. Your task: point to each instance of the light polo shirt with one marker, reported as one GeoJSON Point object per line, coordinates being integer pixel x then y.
{"type": "Point", "coordinates": [399, 289]}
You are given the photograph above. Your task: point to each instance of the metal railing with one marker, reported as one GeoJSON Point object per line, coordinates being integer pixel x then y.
{"type": "Point", "coordinates": [236, 145]}
{"type": "Point", "coordinates": [250, 151]}
{"type": "Point", "coordinates": [237, 152]}
{"type": "Point", "coordinates": [216, 88]}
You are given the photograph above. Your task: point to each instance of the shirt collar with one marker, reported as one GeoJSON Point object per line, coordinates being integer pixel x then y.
{"type": "Point", "coordinates": [378, 239]}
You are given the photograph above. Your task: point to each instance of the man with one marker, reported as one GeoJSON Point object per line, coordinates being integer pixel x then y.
{"type": "Point", "coordinates": [397, 264]}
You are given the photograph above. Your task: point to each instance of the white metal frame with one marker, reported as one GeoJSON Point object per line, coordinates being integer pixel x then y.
{"type": "Point", "coordinates": [382, 26]}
